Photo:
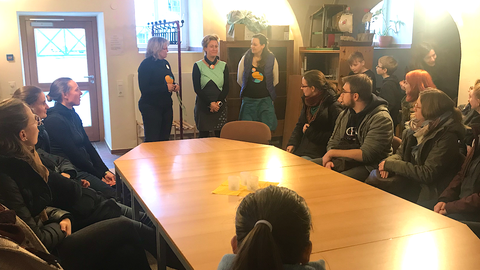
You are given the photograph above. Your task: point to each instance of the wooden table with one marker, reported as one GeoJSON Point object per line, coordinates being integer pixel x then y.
{"type": "Point", "coordinates": [354, 225]}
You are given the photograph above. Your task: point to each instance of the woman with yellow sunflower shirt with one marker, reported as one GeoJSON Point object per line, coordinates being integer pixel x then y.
{"type": "Point", "coordinates": [258, 76]}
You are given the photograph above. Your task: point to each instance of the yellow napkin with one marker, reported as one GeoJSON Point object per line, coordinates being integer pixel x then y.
{"type": "Point", "coordinates": [242, 191]}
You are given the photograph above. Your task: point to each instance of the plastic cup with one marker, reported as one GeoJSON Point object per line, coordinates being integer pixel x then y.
{"type": "Point", "coordinates": [244, 177]}
{"type": "Point", "coordinates": [252, 183]}
{"type": "Point", "coordinates": [233, 182]}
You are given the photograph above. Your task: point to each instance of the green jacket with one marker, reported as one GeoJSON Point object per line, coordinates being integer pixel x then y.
{"type": "Point", "coordinates": [438, 159]}
{"type": "Point", "coordinates": [375, 133]}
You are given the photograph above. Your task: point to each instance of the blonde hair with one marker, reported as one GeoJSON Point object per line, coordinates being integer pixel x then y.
{"type": "Point", "coordinates": [155, 45]}
{"type": "Point", "coordinates": [389, 63]}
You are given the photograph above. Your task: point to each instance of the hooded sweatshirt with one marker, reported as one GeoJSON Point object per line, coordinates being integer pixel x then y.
{"type": "Point", "coordinates": [393, 94]}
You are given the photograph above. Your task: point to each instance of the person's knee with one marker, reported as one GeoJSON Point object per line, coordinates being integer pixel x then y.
{"type": "Point", "coordinates": [359, 173]}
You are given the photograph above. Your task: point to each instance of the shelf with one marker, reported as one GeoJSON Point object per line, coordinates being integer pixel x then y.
{"type": "Point", "coordinates": [327, 32]}
{"type": "Point", "coordinates": [319, 50]}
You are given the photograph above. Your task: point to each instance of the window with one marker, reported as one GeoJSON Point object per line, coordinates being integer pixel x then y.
{"type": "Point", "coordinates": [395, 10]}
{"type": "Point", "coordinates": [147, 11]}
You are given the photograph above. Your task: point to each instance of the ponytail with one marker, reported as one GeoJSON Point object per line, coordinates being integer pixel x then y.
{"type": "Point", "coordinates": [58, 88]}
{"type": "Point", "coordinates": [258, 251]}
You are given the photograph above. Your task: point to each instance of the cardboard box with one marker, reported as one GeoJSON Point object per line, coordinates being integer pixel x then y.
{"type": "Point", "coordinates": [241, 32]}
{"type": "Point", "coordinates": [278, 32]}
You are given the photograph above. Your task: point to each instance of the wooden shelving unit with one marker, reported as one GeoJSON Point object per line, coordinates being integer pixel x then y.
{"type": "Point", "coordinates": [232, 51]}
{"type": "Point", "coordinates": [333, 63]}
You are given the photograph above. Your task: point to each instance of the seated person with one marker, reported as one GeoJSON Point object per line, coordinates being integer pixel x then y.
{"type": "Point", "coordinates": [429, 155]}
{"type": "Point", "coordinates": [35, 99]}
{"type": "Point", "coordinates": [415, 82]}
{"type": "Point", "coordinates": [317, 119]}
{"type": "Point", "coordinates": [461, 199]}
{"type": "Point", "coordinates": [357, 66]}
{"type": "Point", "coordinates": [67, 136]}
{"type": "Point", "coordinates": [390, 90]}
{"type": "Point", "coordinates": [114, 243]}
{"type": "Point", "coordinates": [363, 133]}
{"type": "Point", "coordinates": [473, 116]}
{"type": "Point", "coordinates": [272, 232]}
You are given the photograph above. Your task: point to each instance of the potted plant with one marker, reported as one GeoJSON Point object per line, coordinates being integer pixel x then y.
{"type": "Point", "coordinates": [384, 39]}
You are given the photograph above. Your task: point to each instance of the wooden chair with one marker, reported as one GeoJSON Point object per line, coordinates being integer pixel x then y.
{"type": "Point", "coordinates": [247, 131]}
{"type": "Point", "coordinates": [186, 126]}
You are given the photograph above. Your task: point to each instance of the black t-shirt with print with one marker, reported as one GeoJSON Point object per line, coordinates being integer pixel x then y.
{"type": "Point", "coordinates": [256, 84]}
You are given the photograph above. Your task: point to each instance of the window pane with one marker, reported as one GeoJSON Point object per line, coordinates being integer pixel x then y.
{"type": "Point", "coordinates": [83, 110]}
{"type": "Point", "coordinates": [61, 53]}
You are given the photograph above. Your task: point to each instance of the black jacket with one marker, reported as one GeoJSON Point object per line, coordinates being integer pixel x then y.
{"type": "Point", "coordinates": [22, 189]}
{"type": "Point", "coordinates": [314, 142]}
{"type": "Point", "coordinates": [69, 140]}
{"type": "Point", "coordinates": [393, 94]}
{"type": "Point", "coordinates": [152, 83]}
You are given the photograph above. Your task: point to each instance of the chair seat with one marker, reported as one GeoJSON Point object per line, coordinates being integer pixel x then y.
{"type": "Point", "coordinates": [247, 131]}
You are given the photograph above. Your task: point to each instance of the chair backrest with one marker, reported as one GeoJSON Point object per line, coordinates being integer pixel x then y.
{"type": "Point", "coordinates": [396, 142]}
{"type": "Point", "coordinates": [247, 131]}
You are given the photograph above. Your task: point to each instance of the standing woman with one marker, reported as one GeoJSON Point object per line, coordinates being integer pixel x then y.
{"type": "Point", "coordinates": [316, 122]}
{"type": "Point", "coordinates": [210, 82]}
{"type": "Point", "coordinates": [156, 82]}
{"type": "Point", "coordinates": [258, 75]}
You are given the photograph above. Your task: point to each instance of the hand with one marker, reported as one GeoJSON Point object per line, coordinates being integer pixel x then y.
{"type": "Point", "coordinates": [290, 148]}
{"type": "Point", "coordinates": [214, 107]}
{"type": "Point", "coordinates": [85, 183]}
{"type": "Point", "coordinates": [305, 127]}
{"type": "Point", "coordinates": [171, 87]}
{"type": "Point", "coordinates": [109, 178]}
{"type": "Point", "coordinates": [327, 158]}
{"type": "Point", "coordinates": [176, 88]}
{"type": "Point", "coordinates": [439, 207]}
{"type": "Point", "coordinates": [381, 166]}
{"type": "Point", "coordinates": [329, 165]}
{"type": "Point", "coordinates": [66, 175]}
{"type": "Point", "coordinates": [384, 174]}
{"type": "Point", "coordinates": [443, 212]}
{"type": "Point", "coordinates": [66, 226]}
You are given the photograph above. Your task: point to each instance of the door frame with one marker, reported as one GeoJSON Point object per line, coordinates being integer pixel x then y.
{"type": "Point", "coordinates": [28, 76]}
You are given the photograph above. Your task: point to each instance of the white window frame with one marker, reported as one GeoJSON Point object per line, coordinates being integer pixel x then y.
{"type": "Point", "coordinates": [183, 30]}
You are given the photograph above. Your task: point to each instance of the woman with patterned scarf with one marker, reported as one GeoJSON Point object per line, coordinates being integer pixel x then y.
{"type": "Point", "coordinates": [429, 156]}
{"type": "Point", "coordinates": [316, 122]}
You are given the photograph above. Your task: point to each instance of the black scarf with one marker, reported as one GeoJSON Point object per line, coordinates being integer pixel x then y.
{"type": "Point", "coordinates": [210, 63]}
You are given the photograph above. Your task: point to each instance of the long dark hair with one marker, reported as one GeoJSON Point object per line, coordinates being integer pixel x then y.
{"type": "Point", "coordinates": [435, 103]}
{"type": "Point", "coordinates": [419, 53]}
{"type": "Point", "coordinates": [13, 119]}
{"type": "Point", "coordinates": [262, 248]}
{"type": "Point", "coordinates": [58, 88]}
{"type": "Point", "coordinates": [316, 79]}
{"type": "Point", "coordinates": [28, 94]}
{"type": "Point", "coordinates": [266, 51]}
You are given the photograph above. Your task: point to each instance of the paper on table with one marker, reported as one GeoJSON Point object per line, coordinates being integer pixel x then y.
{"type": "Point", "coordinates": [243, 191]}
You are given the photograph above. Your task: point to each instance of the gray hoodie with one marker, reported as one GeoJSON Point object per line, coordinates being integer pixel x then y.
{"type": "Point", "coordinates": [227, 261]}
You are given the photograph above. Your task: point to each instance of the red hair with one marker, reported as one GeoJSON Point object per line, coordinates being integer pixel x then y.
{"type": "Point", "coordinates": [419, 80]}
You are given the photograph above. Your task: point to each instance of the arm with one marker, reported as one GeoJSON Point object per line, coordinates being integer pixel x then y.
{"type": "Point", "coordinates": [197, 85]}
{"type": "Point", "coordinates": [297, 132]}
{"type": "Point", "coordinates": [240, 71]}
{"type": "Point", "coordinates": [50, 234]}
{"type": "Point", "coordinates": [146, 75]}
{"type": "Point", "coordinates": [336, 137]}
{"type": "Point", "coordinates": [443, 153]}
{"type": "Point", "coordinates": [377, 144]}
{"type": "Point", "coordinates": [226, 85]}
{"type": "Point", "coordinates": [275, 73]}
{"type": "Point", "coordinates": [61, 133]}
{"type": "Point", "coordinates": [97, 161]}
{"type": "Point", "coordinates": [469, 204]}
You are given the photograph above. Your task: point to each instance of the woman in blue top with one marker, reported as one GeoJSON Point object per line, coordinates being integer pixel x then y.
{"type": "Point", "coordinates": [258, 75]}
{"type": "Point", "coordinates": [272, 232]}
{"type": "Point", "coordinates": [210, 82]}
{"type": "Point", "coordinates": [156, 83]}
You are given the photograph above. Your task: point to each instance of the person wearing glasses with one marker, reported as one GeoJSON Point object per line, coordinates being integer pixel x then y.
{"type": "Point", "coordinates": [363, 132]}
{"type": "Point", "coordinates": [429, 156]}
{"type": "Point", "coordinates": [317, 119]}
{"type": "Point", "coordinates": [156, 83]}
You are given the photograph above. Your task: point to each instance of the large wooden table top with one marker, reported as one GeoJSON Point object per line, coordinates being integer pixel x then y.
{"type": "Point", "coordinates": [174, 180]}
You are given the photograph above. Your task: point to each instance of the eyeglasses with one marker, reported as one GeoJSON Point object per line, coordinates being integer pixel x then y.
{"type": "Point", "coordinates": [344, 92]}
{"type": "Point", "coordinates": [379, 67]}
{"type": "Point", "coordinates": [416, 106]}
{"type": "Point", "coordinates": [303, 86]}
{"type": "Point", "coordinates": [38, 119]}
